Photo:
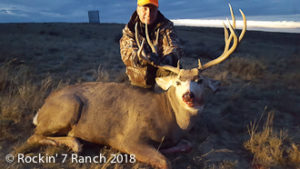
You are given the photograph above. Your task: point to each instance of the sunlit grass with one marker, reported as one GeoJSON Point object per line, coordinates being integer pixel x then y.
{"type": "Point", "coordinates": [271, 148]}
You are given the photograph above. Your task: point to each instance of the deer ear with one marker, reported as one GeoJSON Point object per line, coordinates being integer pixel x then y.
{"type": "Point", "coordinates": [164, 82]}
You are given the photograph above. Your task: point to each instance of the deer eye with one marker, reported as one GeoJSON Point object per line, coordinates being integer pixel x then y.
{"type": "Point", "coordinates": [178, 83]}
{"type": "Point", "coordinates": [199, 81]}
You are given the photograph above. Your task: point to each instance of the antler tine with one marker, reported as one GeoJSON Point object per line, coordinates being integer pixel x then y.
{"type": "Point", "coordinates": [199, 64]}
{"type": "Point", "coordinates": [232, 16]}
{"type": "Point", "coordinates": [234, 23]}
{"type": "Point", "coordinates": [136, 36]}
{"type": "Point", "coordinates": [140, 50]}
{"type": "Point", "coordinates": [244, 27]}
{"type": "Point", "coordinates": [225, 54]}
{"type": "Point", "coordinates": [227, 43]}
{"type": "Point", "coordinates": [169, 68]}
{"type": "Point", "coordinates": [228, 51]}
{"type": "Point", "coordinates": [157, 35]}
{"type": "Point", "coordinates": [225, 32]}
{"type": "Point", "coordinates": [226, 39]}
{"type": "Point", "coordinates": [148, 40]}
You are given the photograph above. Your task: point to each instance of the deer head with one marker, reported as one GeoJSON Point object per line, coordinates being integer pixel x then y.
{"type": "Point", "coordinates": [189, 83]}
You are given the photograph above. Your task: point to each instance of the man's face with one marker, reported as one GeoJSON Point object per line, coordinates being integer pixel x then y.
{"type": "Point", "coordinates": [147, 13]}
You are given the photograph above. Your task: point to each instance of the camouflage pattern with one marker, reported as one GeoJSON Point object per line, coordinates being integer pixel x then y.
{"type": "Point", "coordinates": [168, 49]}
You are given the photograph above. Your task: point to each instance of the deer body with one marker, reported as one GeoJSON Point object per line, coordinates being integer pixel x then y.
{"type": "Point", "coordinates": [125, 117]}
{"type": "Point", "coordinates": [109, 110]}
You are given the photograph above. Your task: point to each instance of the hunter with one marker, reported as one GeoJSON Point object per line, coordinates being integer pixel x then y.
{"type": "Point", "coordinates": [140, 72]}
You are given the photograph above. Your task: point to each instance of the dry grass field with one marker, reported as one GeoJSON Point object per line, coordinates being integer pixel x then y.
{"type": "Point", "coordinates": [253, 121]}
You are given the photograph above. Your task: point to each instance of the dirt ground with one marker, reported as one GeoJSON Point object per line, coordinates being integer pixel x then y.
{"type": "Point", "coordinates": [262, 76]}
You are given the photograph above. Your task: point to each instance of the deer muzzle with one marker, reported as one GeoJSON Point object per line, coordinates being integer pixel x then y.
{"type": "Point", "coordinates": [190, 99]}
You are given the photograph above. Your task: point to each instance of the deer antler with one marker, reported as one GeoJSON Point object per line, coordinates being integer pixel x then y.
{"type": "Point", "coordinates": [152, 46]}
{"type": "Point", "coordinates": [227, 52]}
{"type": "Point", "coordinates": [141, 53]}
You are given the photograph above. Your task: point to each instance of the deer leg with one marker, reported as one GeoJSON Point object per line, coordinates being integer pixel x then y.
{"type": "Point", "coordinates": [147, 154]}
{"type": "Point", "coordinates": [58, 115]}
{"type": "Point", "coordinates": [39, 139]}
{"type": "Point", "coordinates": [68, 141]}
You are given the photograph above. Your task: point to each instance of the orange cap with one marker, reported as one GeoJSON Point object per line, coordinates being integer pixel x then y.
{"type": "Point", "coordinates": [145, 2]}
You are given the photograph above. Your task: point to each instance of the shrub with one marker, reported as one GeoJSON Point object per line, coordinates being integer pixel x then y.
{"type": "Point", "coordinates": [271, 148]}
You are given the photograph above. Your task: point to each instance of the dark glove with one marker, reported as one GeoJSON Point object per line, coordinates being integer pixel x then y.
{"type": "Point", "coordinates": [154, 58]}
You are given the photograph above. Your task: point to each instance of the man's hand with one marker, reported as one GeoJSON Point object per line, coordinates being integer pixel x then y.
{"type": "Point", "coordinates": [154, 58]}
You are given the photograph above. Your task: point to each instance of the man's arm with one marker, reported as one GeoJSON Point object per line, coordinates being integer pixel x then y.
{"type": "Point", "coordinates": [172, 51]}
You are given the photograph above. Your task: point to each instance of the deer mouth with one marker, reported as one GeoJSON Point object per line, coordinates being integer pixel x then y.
{"type": "Point", "coordinates": [190, 103]}
{"type": "Point", "coordinates": [194, 103]}
{"type": "Point", "coordinates": [189, 99]}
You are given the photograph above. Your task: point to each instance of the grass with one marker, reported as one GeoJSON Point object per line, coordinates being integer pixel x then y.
{"type": "Point", "coordinates": [223, 165]}
{"type": "Point", "coordinates": [102, 75]}
{"type": "Point", "coordinates": [20, 93]}
{"type": "Point", "coordinates": [245, 68]}
{"type": "Point", "coordinates": [271, 148]}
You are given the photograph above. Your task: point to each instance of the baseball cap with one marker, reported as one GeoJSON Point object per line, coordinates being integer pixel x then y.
{"type": "Point", "coordinates": [145, 2]}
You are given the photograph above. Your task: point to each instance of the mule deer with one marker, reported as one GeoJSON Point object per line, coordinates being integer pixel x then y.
{"type": "Point", "coordinates": [128, 118]}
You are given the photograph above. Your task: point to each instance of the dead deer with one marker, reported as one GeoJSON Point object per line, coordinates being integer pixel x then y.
{"type": "Point", "coordinates": [128, 118]}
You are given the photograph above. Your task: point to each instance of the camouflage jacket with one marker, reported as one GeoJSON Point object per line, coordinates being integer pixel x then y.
{"type": "Point", "coordinates": [168, 49]}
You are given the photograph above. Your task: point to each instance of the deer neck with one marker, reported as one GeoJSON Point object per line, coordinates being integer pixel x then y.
{"type": "Point", "coordinates": [185, 117]}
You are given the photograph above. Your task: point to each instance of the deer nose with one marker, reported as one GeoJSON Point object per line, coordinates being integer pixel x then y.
{"type": "Point", "coordinates": [188, 96]}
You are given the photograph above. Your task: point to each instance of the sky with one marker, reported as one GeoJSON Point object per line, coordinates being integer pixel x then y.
{"type": "Point", "coordinates": [119, 11]}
